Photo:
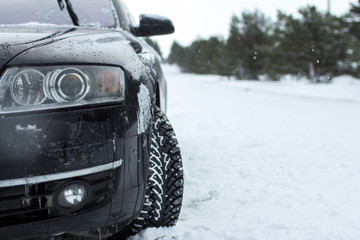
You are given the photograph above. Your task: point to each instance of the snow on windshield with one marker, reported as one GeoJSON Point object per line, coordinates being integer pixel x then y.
{"type": "Point", "coordinates": [90, 12]}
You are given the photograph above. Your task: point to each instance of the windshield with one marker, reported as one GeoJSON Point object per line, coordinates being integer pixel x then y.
{"type": "Point", "coordinates": [89, 12]}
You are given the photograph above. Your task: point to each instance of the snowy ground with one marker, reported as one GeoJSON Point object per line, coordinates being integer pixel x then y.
{"type": "Point", "coordinates": [266, 161]}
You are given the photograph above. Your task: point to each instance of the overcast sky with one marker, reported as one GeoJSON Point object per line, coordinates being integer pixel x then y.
{"type": "Point", "coordinates": [203, 18]}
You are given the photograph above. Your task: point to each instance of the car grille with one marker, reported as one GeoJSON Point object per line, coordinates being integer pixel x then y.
{"type": "Point", "coordinates": [29, 203]}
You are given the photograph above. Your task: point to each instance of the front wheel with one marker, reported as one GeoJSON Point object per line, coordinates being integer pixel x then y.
{"type": "Point", "coordinates": [164, 193]}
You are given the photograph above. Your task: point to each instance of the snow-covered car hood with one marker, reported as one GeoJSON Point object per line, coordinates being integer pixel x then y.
{"type": "Point", "coordinates": [27, 46]}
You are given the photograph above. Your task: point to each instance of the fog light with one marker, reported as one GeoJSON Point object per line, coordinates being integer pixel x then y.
{"type": "Point", "coordinates": [72, 196]}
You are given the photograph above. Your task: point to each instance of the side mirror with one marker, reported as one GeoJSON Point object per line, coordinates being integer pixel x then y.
{"type": "Point", "coordinates": [151, 25]}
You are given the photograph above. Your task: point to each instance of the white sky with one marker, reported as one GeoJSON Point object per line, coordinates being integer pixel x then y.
{"type": "Point", "coordinates": [203, 18]}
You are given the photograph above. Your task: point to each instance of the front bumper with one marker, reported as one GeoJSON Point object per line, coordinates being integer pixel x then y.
{"type": "Point", "coordinates": [54, 227]}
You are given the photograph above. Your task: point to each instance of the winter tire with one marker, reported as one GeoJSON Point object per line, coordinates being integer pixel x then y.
{"type": "Point", "coordinates": [164, 191]}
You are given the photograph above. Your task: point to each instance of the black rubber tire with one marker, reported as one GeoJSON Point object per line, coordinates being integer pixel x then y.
{"type": "Point", "coordinates": [164, 191]}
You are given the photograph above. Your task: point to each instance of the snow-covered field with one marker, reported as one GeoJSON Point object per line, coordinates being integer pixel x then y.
{"type": "Point", "coordinates": [266, 161]}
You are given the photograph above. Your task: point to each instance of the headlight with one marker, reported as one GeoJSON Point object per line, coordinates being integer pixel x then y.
{"type": "Point", "coordinates": [35, 88]}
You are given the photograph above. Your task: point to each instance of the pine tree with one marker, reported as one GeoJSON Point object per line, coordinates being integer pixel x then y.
{"type": "Point", "coordinates": [246, 43]}
{"type": "Point", "coordinates": [312, 46]}
{"type": "Point", "coordinates": [233, 49]}
{"type": "Point", "coordinates": [355, 8]}
{"type": "Point", "coordinates": [354, 53]}
{"type": "Point", "coordinates": [355, 20]}
{"type": "Point", "coordinates": [179, 55]}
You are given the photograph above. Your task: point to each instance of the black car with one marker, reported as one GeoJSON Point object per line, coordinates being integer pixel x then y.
{"type": "Point", "coordinates": [85, 149]}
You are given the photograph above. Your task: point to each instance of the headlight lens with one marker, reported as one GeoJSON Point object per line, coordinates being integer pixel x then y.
{"type": "Point", "coordinates": [66, 85]}
{"type": "Point", "coordinates": [26, 87]}
{"type": "Point", "coordinates": [35, 88]}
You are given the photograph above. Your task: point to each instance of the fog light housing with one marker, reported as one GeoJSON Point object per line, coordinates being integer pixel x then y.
{"type": "Point", "coordinates": [72, 196]}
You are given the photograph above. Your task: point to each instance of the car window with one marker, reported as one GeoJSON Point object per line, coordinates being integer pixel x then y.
{"type": "Point", "coordinates": [90, 12]}
{"type": "Point", "coordinates": [132, 20]}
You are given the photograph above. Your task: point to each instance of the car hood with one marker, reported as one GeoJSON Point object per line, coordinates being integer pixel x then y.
{"type": "Point", "coordinates": [36, 46]}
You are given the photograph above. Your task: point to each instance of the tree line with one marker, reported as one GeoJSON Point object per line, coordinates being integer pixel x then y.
{"type": "Point", "coordinates": [315, 45]}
